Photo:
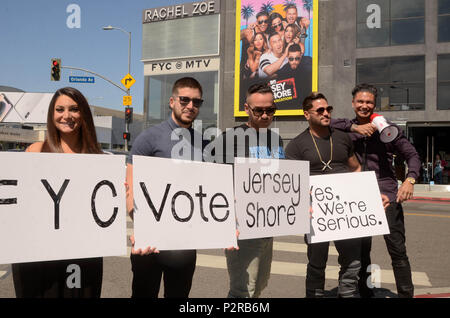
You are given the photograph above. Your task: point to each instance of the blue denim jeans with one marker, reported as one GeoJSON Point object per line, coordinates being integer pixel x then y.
{"type": "Point", "coordinates": [249, 267]}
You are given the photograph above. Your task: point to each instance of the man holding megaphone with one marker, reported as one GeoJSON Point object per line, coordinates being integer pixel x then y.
{"type": "Point", "coordinates": [376, 143]}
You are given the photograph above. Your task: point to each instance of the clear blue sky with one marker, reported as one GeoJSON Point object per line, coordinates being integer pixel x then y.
{"type": "Point", "coordinates": [33, 32]}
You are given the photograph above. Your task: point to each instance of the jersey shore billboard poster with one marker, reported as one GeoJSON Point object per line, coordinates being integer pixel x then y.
{"type": "Point", "coordinates": [276, 42]}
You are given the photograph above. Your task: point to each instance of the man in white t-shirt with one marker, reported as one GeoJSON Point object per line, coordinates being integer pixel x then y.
{"type": "Point", "coordinates": [275, 59]}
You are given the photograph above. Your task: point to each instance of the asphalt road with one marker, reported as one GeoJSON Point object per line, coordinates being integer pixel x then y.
{"type": "Point", "coordinates": [427, 231]}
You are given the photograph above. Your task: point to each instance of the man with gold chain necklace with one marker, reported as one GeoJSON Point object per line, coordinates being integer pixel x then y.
{"type": "Point", "coordinates": [328, 151]}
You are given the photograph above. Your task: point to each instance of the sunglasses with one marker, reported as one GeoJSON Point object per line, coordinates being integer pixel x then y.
{"type": "Point", "coordinates": [259, 111]}
{"type": "Point", "coordinates": [321, 110]}
{"type": "Point", "coordinates": [196, 102]}
{"type": "Point", "coordinates": [277, 25]}
{"type": "Point", "coordinates": [294, 58]}
{"type": "Point", "coordinates": [263, 21]}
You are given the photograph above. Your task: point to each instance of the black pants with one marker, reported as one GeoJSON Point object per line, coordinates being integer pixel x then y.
{"type": "Point", "coordinates": [349, 259]}
{"type": "Point", "coordinates": [395, 243]}
{"type": "Point", "coordinates": [178, 268]}
{"type": "Point", "coordinates": [50, 279]}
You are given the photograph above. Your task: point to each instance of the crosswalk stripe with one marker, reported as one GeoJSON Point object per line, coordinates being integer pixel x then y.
{"type": "Point", "coordinates": [298, 269]}
{"type": "Point", "coordinates": [298, 247]}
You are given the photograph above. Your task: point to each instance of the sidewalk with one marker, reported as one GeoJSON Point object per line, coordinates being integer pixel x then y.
{"type": "Point", "coordinates": [437, 193]}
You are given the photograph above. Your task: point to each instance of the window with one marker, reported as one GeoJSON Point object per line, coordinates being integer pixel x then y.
{"type": "Point", "coordinates": [390, 22]}
{"type": "Point", "coordinates": [443, 101]}
{"type": "Point", "coordinates": [181, 38]}
{"type": "Point", "coordinates": [444, 21]}
{"type": "Point", "coordinates": [400, 81]}
{"type": "Point", "coordinates": [160, 90]}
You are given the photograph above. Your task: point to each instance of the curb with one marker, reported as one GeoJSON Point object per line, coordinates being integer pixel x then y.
{"type": "Point", "coordinates": [440, 200]}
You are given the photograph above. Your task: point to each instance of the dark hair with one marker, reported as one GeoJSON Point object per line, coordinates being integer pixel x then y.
{"type": "Point", "coordinates": [307, 102]}
{"type": "Point", "coordinates": [290, 6]}
{"type": "Point", "coordinates": [87, 136]}
{"type": "Point", "coordinates": [259, 88]}
{"type": "Point", "coordinates": [261, 13]}
{"type": "Point", "coordinates": [295, 48]}
{"type": "Point", "coordinates": [272, 34]}
{"type": "Point", "coordinates": [364, 87]}
{"type": "Point", "coordinates": [273, 16]}
{"type": "Point", "coordinates": [265, 46]}
{"type": "Point", "coordinates": [187, 82]}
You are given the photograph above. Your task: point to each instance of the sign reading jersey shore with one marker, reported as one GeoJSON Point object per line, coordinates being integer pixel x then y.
{"type": "Point", "coordinates": [61, 206]}
{"type": "Point", "coordinates": [346, 206]}
{"type": "Point", "coordinates": [272, 197]}
{"type": "Point", "coordinates": [183, 204]}
{"type": "Point", "coordinates": [291, 75]}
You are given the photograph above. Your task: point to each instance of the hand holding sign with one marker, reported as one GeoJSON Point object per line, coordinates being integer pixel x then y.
{"type": "Point", "coordinates": [347, 205]}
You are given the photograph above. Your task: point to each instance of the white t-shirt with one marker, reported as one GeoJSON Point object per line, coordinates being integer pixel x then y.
{"type": "Point", "coordinates": [266, 60]}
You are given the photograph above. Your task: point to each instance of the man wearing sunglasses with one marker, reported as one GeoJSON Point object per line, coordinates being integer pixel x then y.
{"type": "Point", "coordinates": [328, 151]}
{"type": "Point", "coordinates": [176, 267]}
{"type": "Point", "coordinates": [249, 265]}
{"type": "Point", "coordinates": [299, 68]}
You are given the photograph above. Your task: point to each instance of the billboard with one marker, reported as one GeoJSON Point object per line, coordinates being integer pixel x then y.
{"type": "Point", "coordinates": [276, 42]}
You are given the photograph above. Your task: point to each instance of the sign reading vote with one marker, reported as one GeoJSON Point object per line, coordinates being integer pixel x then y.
{"type": "Point", "coordinates": [183, 204]}
{"type": "Point", "coordinates": [345, 206]}
{"type": "Point", "coordinates": [272, 197]}
{"type": "Point", "coordinates": [61, 206]}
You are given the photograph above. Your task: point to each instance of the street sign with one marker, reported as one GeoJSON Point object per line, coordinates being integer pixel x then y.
{"type": "Point", "coordinates": [127, 100]}
{"type": "Point", "coordinates": [128, 81]}
{"type": "Point", "coordinates": [82, 79]}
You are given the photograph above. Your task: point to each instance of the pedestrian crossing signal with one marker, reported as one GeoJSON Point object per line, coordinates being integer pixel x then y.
{"type": "Point", "coordinates": [126, 136]}
{"type": "Point", "coordinates": [56, 70]}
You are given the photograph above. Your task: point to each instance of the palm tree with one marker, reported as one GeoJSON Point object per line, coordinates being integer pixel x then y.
{"type": "Point", "coordinates": [267, 7]}
{"type": "Point", "coordinates": [288, 3]}
{"type": "Point", "coordinates": [247, 12]}
{"type": "Point", "coordinates": [308, 5]}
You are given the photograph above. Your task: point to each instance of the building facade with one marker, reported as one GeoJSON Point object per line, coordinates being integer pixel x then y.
{"type": "Point", "coordinates": [401, 46]}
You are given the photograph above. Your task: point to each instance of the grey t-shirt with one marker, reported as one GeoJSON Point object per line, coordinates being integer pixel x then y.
{"type": "Point", "coordinates": [168, 140]}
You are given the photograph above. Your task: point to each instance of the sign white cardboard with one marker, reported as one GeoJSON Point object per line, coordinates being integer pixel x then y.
{"type": "Point", "coordinates": [181, 205]}
{"type": "Point", "coordinates": [61, 206]}
{"type": "Point", "coordinates": [272, 197]}
{"type": "Point", "coordinates": [346, 205]}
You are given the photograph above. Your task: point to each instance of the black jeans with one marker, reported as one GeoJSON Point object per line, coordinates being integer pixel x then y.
{"type": "Point", "coordinates": [349, 259]}
{"type": "Point", "coordinates": [178, 268]}
{"type": "Point", "coordinates": [49, 279]}
{"type": "Point", "coordinates": [395, 243]}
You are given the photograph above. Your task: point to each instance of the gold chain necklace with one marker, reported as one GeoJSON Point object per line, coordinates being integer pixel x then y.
{"type": "Point", "coordinates": [325, 164]}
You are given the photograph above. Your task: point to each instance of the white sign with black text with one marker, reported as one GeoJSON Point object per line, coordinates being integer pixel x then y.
{"type": "Point", "coordinates": [346, 205]}
{"type": "Point", "coordinates": [61, 206]}
{"type": "Point", "coordinates": [272, 197]}
{"type": "Point", "coordinates": [182, 205]}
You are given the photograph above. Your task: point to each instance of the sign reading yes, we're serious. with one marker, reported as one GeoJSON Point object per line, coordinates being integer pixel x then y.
{"type": "Point", "coordinates": [272, 197]}
{"type": "Point", "coordinates": [345, 206]}
{"type": "Point", "coordinates": [180, 204]}
{"type": "Point", "coordinates": [61, 206]}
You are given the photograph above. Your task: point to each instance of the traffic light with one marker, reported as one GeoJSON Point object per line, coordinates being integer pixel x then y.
{"type": "Point", "coordinates": [56, 70]}
{"type": "Point", "coordinates": [128, 115]}
{"type": "Point", "coordinates": [126, 136]}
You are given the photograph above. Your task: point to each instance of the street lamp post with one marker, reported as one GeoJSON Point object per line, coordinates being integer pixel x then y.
{"type": "Point", "coordinates": [108, 28]}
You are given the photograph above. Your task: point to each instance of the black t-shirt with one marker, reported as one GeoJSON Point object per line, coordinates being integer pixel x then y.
{"type": "Point", "coordinates": [302, 148]}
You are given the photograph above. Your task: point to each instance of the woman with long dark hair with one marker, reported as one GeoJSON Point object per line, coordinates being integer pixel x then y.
{"type": "Point", "coordinates": [70, 129]}
{"type": "Point", "coordinates": [258, 47]}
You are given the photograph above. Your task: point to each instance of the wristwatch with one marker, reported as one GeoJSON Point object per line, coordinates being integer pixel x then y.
{"type": "Point", "coordinates": [411, 180]}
